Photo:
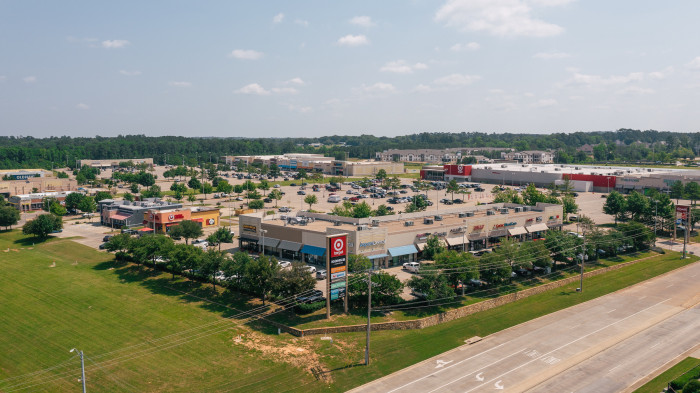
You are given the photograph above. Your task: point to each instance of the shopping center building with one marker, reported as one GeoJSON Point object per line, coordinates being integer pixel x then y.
{"type": "Point", "coordinates": [392, 240]}
{"type": "Point", "coordinates": [163, 220]}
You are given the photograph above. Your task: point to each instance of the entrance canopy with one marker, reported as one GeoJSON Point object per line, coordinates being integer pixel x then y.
{"type": "Point", "coordinates": [403, 250]}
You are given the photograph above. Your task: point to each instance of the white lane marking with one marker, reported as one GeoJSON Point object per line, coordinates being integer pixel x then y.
{"type": "Point", "coordinates": [486, 366]}
{"type": "Point", "coordinates": [611, 311]}
{"type": "Point", "coordinates": [655, 345]}
{"type": "Point", "coordinates": [615, 368]}
{"type": "Point", "coordinates": [498, 385]}
{"type": "Point", "coordinates": [442, 363]}
{"type": "Point", "coordinates": [669, 286]}
{"type": "Point", "coordinates": [565, 345]}
{"type": "Point", "coordinates": [479, 377]}
{"type": "Point", "coordinates": [441, 370]}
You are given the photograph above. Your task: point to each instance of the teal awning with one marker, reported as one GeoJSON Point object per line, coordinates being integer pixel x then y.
{"type": "Point", "coordinates": [313, 250]}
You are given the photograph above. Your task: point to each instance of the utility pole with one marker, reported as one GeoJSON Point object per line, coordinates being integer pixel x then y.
{"type": "Point", "coordinates": [685, 237]}
{"type": "Point", "coordinates": [369, 311]}
{"type": "Point", "coordinates": [656, 213]}
{"type": "Point", "coordinates": [82, 368]}
{"type": "Point", "coordinates": [583, 260]}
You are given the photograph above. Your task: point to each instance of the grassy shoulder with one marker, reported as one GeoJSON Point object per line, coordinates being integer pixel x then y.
{"type": "Point", "coordinates": [658, 384]}
{"type": "Point", "coordinates": [359, 316]}
{"type": "Point", "coordinates": [145, 329]}
{"type": "Point", "coordinates": [394, 350]}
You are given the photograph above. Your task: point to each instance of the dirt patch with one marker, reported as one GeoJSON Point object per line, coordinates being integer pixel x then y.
{"type": "Point", "coordinates": [298, 352]}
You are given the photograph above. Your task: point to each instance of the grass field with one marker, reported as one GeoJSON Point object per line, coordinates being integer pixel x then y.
{"type": "Point", "coordinates": [658, 384]}
{"type": "Point", "coordinates": [143, 331]}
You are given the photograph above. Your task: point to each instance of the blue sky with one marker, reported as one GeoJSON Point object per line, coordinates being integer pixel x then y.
{"type": "Point", "coordinates": [313, 68]}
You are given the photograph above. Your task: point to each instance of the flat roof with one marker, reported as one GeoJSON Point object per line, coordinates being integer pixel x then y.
{"type": "Point", "coordinates": [584, 169]}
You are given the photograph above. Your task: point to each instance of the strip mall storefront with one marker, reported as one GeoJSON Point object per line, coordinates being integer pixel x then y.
{"type": "Point", "coordinates": [162, 221]}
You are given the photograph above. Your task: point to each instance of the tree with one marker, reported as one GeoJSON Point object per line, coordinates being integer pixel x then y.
{"type": "Point", "coordinates": [453, 187]}
{"type": "Point", "coordinates": [301, 174]}
{"type": "Point", "coordinates": [178, 187]}
{"type": "Point", "coordinates": [261, 275]}
{"type": "Point", "coordinates": [508, 196]}
{"type": "Point", "coordinates": [134, 188]}
{"type": "Point", "coordinates": [532, 195]}
{"type": "Point", "coordinates": [642, 237]}
{"type": "Point", "coordinates": [150, 248]}
{"type": "Point", "coordinates": [509, 250]}
{"type": "Point", "coordinates": [358, 263]}
{"type": "Point", "coordinates": [207, 189]}
{"type": "Point", "coordinates": [264, 185]}
{"type": "Point", "coordinates": [693, 386]}
{"type": "Point", "coordinates": [9, 216]}
{"type": "Point", "coordinates": [222, 235]}
{"type": "Point", "coordinates": [432, 285]}
{"type": "Point", "coordinates": [256, 204]}
{"type": "Point", "coordinates": [386, 288]}
{"type": "Point", "coordinates": [224, 186]}
{"type": "Point", "coordinates": [692, 191]}
{"type": "Point", "coordinates": [637, 205]}
{"type": "Point", "coordinates": [677, 190]}
{"type": "Point", "coordinates": [615, 205]}
{"type": "Point", "coordinates": [381, 175]}
{"type": "Point", "coordinates": [103, 195]}
{"type": "Point", "coordinates": [382, 210]}
{"type": "Point", "coordinates": [418, 203]}
{"type": "Point", "coordinates": [393, 183]}
{"type": "Point", "coordinates": [87, 205]}
{"type": "Point", "coordinates": [433, 247]}
{"type": "Point", "coordinates": [119, 244]}
{"type": "Point", "coordinates": [294, 280]}
{"type": "Point", "coordinates": [535, 253]}
{"type": "Point", "coordinates": [152, 192]}
{"type": "Point", "coordinates": [211, 263]}
{"type": "Point", "coordinates": [237, 266]}
{"type": "Point", "coordinates": [128, 197]}
{"type": "Point", "coordinates": [194, 183]}
{"type": "Point", "coordinates": [43, 225]}
{"type": "Point", "coordinates": [73, 200]}
{"type": "Point", "coordinates": [494, 269]}
{"type": "Point", "coordinates": [57, 209]}
{"type": "Point", "coordinates": [561, 245]}
{"type": "Point", "coordinates": [569, 205]}
{"type": "Point", "coordinates": [184, 257]}
{"type": "Point", "coordinates": [361, 210]}
{"type": "Point", "coordinates": [458, 267]}
{"type": "Point", "coordinates": [276, 195]}
{"type": "Point", "coordinates": [310, 200]}
{"type": "Point", "coordinates": [186, 229]}
{"type": "Point", "coordinates": [191, 197]}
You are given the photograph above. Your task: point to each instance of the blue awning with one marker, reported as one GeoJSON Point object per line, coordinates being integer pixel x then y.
{"type": "Point", "coordinates": [403, 250]}
{"type": "Point", "coordinates": [378, 256]}
{"type": "Point", "coordinates": [313, 250]}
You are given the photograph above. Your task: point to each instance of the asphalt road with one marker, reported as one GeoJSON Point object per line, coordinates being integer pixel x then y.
{"type": "Point", "coordinates": [603, 345]}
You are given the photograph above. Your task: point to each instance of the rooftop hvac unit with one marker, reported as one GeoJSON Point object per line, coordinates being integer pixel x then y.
{"type": "Point", "coordinates": [337, 223]}
{"type": "Point", "coordinates": [518, 209]}
{"type": "Point", "coordinates": [504, 166]}
{"type": "Point", "coordinates": [469, 214]}
{"type": "Point", "coordinates": [428, 221]}
{"type": "Point", "coordinates": [375, 223]}
{"type": "Point", "coordinates": [577, 168]}
{"type": "Point", "coordinates": [408, 224]}
{"type": "Point", "coordinates": [504, 211]}
{"type": "Point", "coordinates": [462, 215]}
{"type": "Point", "coordinates": [557, 169]}
{"type": "Point", "coordinates": [362, 227]}
{"type": "Point", "coordinates": [438, 218]}
{"type": "Point", "coordinates": [490, 212]}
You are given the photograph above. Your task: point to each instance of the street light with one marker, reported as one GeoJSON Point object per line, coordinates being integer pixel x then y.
{"type": "Point", "coordinates": [82, 366]}
{"type": "Point", "coordinates": [263, 232]}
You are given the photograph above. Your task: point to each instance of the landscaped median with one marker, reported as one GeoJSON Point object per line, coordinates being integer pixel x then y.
{"type": "Point", "coordinates": [678, 371]}
{"type": "Point", "coordinates": [394, 350]}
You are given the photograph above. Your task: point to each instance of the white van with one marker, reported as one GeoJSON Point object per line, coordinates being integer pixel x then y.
{"type": "Point", "coordinates": [412, 267]}
{"type": "Point", "coordinates": [334, 199]}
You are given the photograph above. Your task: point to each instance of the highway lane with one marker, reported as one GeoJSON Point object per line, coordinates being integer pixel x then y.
{"type": "Point", "coordinates": [539, 352]}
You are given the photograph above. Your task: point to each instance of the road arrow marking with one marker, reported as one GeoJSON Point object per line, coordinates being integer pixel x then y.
{"type": "Point", "coordinates": [479, 377]}
{"type": "Point", "coordinates": [442, 363]}
{"type": "Point", "coordinates": [498, 385]}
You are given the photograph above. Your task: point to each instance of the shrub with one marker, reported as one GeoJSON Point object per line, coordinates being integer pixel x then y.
{"type": "Point", "coordinates": [309, 307]}
{"type": "Point", "coordinates": [680, 382]}
{"type": "Point", "coordinates": [692, 387]}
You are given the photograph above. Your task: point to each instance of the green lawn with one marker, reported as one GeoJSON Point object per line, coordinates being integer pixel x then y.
{"type": "Point", "coordinates": [85, 302]}
{"type": "Point", "coordinates": [148, 335]}
{"type": "Point", "coordinates": [658, 384]}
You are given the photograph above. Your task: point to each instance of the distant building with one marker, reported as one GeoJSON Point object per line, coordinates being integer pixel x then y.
{"type": "Point", "coordinates": [41, 184]}
{"type": "Point", "coordinates": [120, 213]}
{"type": "Point", "coordinates": [588, 149]}
{"type": "Point", "coordinates": [113, 164]}
{"type": "Point", "coordinates": [451, 154]}
{"type": "Point", "coordinates": [22, 174]}
{"type": "Point", "coordinates": [319, 163]}
{"type": "Point", "coordinates": [35, 201]}
{"type": "Point", "coordinates": [529, 157]}
{"type": "Point", "coordinates": [163, 220]}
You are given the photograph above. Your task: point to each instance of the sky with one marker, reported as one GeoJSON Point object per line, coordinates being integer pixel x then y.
{"type": "Point", "coordinates": [313, 68]}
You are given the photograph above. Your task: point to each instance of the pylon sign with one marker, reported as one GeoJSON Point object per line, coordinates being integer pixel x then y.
{"type": "Point", "coordinates": [682, 212]}
{"type": "Point", "coordinates": [336, 268]}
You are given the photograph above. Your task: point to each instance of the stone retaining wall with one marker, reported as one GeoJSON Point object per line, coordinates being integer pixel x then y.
{"type": "Point", "coordinates": [456, 313]}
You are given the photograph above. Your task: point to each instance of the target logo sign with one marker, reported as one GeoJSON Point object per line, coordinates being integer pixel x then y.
{"type": "Point", "coordinates": [171, 217]}
{"type": "Point", "coordinates": [460, 168]}
{"type": "Point", "coordinates": [338, 246]}
{"type": "Point", "coordinates": [211, 221]}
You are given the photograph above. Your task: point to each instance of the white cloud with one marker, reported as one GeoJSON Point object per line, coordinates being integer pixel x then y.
{"type": "Point", "coordinates": [246, 54]}
{"type": "Point", "coordinates": [658, 75]}
{"type": "Point", "coordinates": [298, 108]}
{"type": "Point", "coordinates": [295, 81]}
{"type": "Point", "coordinates": [253, 88]}
{"type": "Point", "coordinates": [423, 88]}
{"type": "Point", "coordinates": [82, 107]}
{"type": "Point", "coordinates": [284, 90]}
{"type": "Point", "coordinates": [130, 73]}
{"type": "Point", "coordinates": [362, 21]}
{"type": "Point", "coordinates": [600, 81]}
{"type": "Point", "coordinates": [543, 103]}
{"type": "Point", "coordinates": [180, 84]}
{"type": "Point", "coordinates": [551, 55]}
{"type": "Point", "coordinates": [457, 80]}
{"type": "Point", "coordinates": [114, 44]}
{"type": "Point", "coordinates": [301, 22]}
{"type": "Point", "coordinates": [695, 63]}
{"type": "Point", "coordinates": [29, 79]}
{"type": "Point", "coordinates": [353, 40]}
{"type": "Point", "coordinates": [278, 18]}
{"type": "Point", "coordinates": [465, 47]}
{"type": "Point", "coordinates": [378, 88]}
{"type": "Point", "coordinates": [635, 90]}
{"type": "Point", "coordinates": [498, 17]}
{"type": "Point", "coordinates": [402, 67]}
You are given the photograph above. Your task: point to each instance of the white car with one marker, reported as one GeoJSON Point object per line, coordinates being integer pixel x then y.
{"type": "Point", "coordinates": [412, 267]}
{"type": "Point", "coordinates": [200, 243]}
{"type": "Point", "coordinates": [310, 269]}
{"type": "Point", "coordinates": [284, 264]}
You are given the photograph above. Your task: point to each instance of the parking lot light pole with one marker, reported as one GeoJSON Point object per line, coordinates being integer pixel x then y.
{"type": "Point", "coordinates": [369, 311]}
{"type": "Point", "coordinates": [263, 232]}
{"type": "Point", "coordinates": [82, 367]}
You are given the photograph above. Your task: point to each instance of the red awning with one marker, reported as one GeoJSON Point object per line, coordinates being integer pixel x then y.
{"type": "Point", "coordinates": [119, 217]}
{"type": "Point", "coordinates": [197, 219]}
{"type": "Point", "coordinates": [171, 224]}
{"type": "Point", "coordinates": [146, 230]}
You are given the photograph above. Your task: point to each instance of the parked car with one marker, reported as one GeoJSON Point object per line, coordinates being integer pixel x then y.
{"type": "Point", "coordinates": [310, 269]}
{"type": "Point", "coordinates": [106, 238]}
{"type": "Point", "coordinates": [412, 267]}
{"type": "Point", "coordinates": [321, 274]}
{"type": "Point", "coordinates": [102, 246]}
{"type": "Point", "coordinates": [200, 243]}
{"type": "Point", "coordinates": [284, 209]}
{"type": "Point", "coordinates": [300, 192]}
{"type": "Point", "coordinates": [284, 264]}
{"type": "Point", "coordinates": [314, 296]}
